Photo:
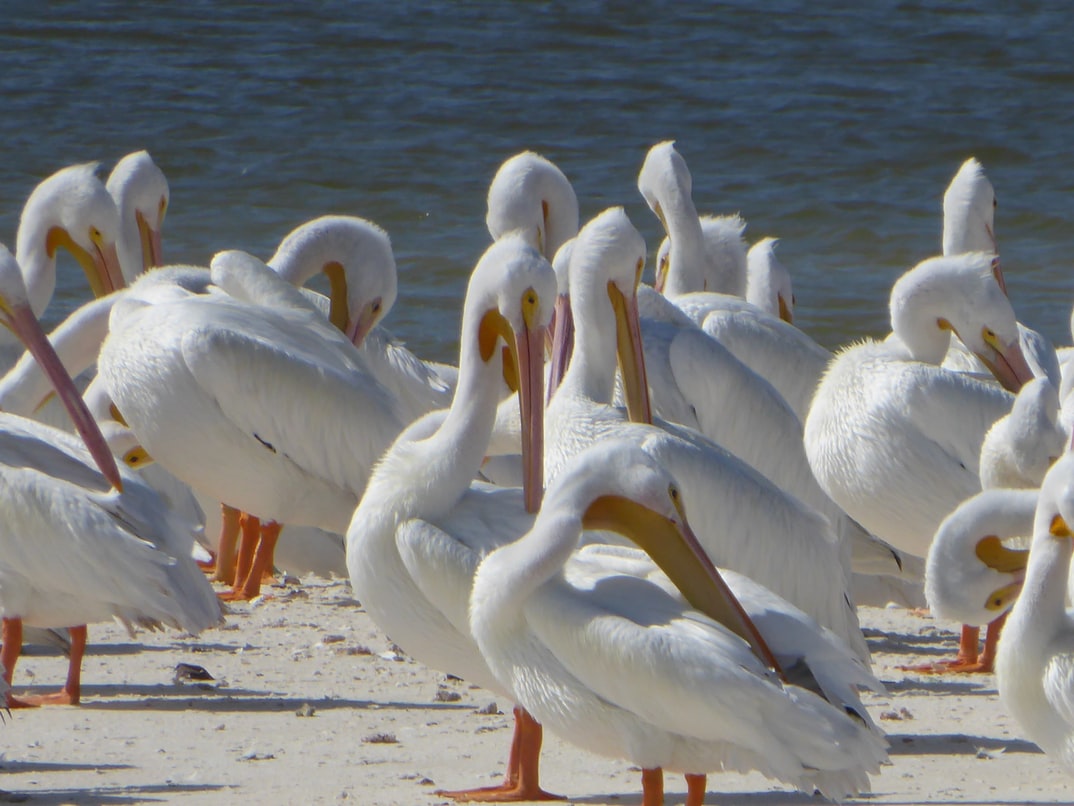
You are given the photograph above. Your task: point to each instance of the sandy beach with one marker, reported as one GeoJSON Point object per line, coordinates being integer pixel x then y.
{"type": "Point", "coordinates": [310, 703]}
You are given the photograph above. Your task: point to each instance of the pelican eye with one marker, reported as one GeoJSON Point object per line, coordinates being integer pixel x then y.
{"type": "Point", "coordinates": [376, 306]}
{"type": "Point", "coordinates": [638, 270]}
{"type": "Point", "coordinates": [673, 491]}
{"type": "Point", "coordinates": [95, 235]}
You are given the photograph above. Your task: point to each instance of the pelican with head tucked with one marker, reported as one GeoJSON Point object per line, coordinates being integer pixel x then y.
{"type": "Point", "coordinates": [82, 541]}
{"type": "Point", "coordinates": [619, 664]}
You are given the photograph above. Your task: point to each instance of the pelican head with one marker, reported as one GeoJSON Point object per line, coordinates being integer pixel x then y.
{"type": "Point", "coordinates": [532, 196]}
{"type": "Point", "coordinates": [141, 193]}
{"type": "Point", "coordinates": [616, 486]}
{"type": "Point", "coordinates": [71, 209]}
{"type": "Point", "coordinates": [356, 256]}
{"type": "Point", "coordinates": [959, 294]}
{"type": "Point", "coordinates": [969, 214]}
{"type": "Point", "coordinates": [971, 575]}
{"type": "Point", "coordinates": [16, 315]}
{"type": "Point", "coordinates": [664, 179]}
{"type": "Point", "coordinates": [607, 262]}
{"type": "Point", "coordinates": [511, 295]}
{"type": "Point", "coordinates": [769, 283]}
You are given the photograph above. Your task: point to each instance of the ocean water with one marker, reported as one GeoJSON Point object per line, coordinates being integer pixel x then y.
{"type": "Point", "coordinates": [834, 129]}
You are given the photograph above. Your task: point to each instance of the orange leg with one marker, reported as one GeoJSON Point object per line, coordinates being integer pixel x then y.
{"type": "Point", "coordinates": [225, 551]}
{"type": "Point", "coordinates": [522, 780]}
{"type": "Point", "coordinates": [987, 662]}
{"type": "Point", "coordinates": [11, 635]}
{"type": "Point", "coordinates": [652, 787]}
{"type": "Point", "coordinates": [251, 535]}
{"type": "Point", "coordinates": [72, 689]}
{"type": "Point", "coordinates": [262, 562]}
{"type": "Point", "coordinates": [695, 789]}
{"type": "Point", "coordinates": [966, 662]}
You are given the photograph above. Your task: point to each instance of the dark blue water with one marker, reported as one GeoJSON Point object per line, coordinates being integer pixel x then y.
{"type": "Point", "coordinates": [835, 130]}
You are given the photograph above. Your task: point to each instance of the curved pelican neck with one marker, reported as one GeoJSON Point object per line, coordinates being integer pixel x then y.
{"type": "Point", "coordinates": [686, 269]}
{"type": "Point", "coordinates": [38, 268]}
{"type": "Point", "coordinates": [918, 307]}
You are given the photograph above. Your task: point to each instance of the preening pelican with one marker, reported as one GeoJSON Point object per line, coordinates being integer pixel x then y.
{"type": "Point", "coordinates": [971, 576]}
{"type": "Point", "coordinates": [141, 193]}
{"type": "Point", "coordinates": [1033, 664]}
{"type": "Point", "coordinates": [84, 541]}
{"type": "Point", "coordinates": [726, 268]}
{"type": "Point", "coordinates": [71, 209]}
{"type": "Point", "coordinates": [769, 283]}
{"type": "Point", "coordinates": [356, 256]}
{"type": "Point", "coordinates": [421, 527]}
{"type": "Point", "coordinates": [743, 520]}
{"type": "Point", "coordinates": [892, 437]}
{"type": "Point", "coordinates": [1020, 446]}
{"type": "Point", "coordinates": [620, 666]}
{"type": "Point", "coordinates": [260, 403]}
{"type": "Point", "coordinates": [532, 196]}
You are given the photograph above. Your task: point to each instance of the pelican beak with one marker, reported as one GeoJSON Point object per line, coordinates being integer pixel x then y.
{"type": "Point", "coordinates": [786, 312]}
{"type": "Point", "coordinates": [24, 324]}
{"type": "Point", "coordinates": [101, 266]}
{"type": "Point", "coordinates": [106, 265]}
{"type": "Point", "coordinates": [661, 278]}
{"type": "Point", "coordinates": [991, 551]}
{"type": "Point", "coordinates": [1007, 362]}
{"type": "Point", "coordinates": [562, 342]}
{"type": "Point", "coordinates": [674, 547]}
{"type": "Point", "coordinates": [630, 354]}
{"type": "Point", "coordinates": [152, 248]}
{"type": "Point", "coordinates": [358, 329]}
{"type": "Point", "coordinates": [529, 363]}
{"type": "Point", "coordinates": [523, 372]}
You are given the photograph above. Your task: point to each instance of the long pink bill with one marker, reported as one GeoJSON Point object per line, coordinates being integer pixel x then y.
{"type": "Point", "coordinates": [106, 262]}
{"type": "Point", "coordinates": [530, 349]}
{"type": "Point", "coordinates": [26, 327]}
{"type": "Point", "coordinates": [562, 343]}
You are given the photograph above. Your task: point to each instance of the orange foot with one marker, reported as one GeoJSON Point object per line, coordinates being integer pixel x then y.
{"type": "Point", "coordinates": [957, 666]}
{"type": "Point", "coordinates": [505, 793]}
{"type": "Point", "coordinates": [34, 700]}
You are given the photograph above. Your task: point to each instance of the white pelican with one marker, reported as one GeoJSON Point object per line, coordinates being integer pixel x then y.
{"type": "Point", "coordinates": [532, 196]}
{"type": "Point", "coordinates": [769, 286]}
{"type": "Point", "coordinates": [726, 267]}
{"type": "Point", "coordinates": [618, 665]}
{"type": "Point", "coordinates": [1020, 446]}
{"type": "Point", "coordinates": [744, 520]}
{"type": "Point", "coordinates": [421, 527]}
{"type": "Point", "coordinates": [84, 541]}
{"type": "Point", "coordinates": [356, 256]}
{"type": "Point", "coordinates": [893, 438]}
{"type": "Point", "coordinates": [71, 209]}
{"type": "Point", "coordinates": [776, 350]}
{"type": "Point", "coordinates": [972, 577]}
{"type": "Point", "coordinates": [141, 193]}
{"type": "Point", "coordinates": [250, 397]}
{"type": "Point", "coordinates": [1033, 663]}
{"type": "Point", "coordinates": [969, 573]}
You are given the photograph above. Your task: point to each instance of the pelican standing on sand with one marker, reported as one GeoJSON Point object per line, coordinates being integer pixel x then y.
{"type": "Point", "coordinates": [421, 528]}
{"type": "Point", "coordinates": [262, 404]}
{"type": "Point", "coordinates": [82, 541]}
{"type": "Point", "coordinates": [618, 665]}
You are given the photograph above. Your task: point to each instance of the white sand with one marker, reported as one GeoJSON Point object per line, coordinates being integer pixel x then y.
{"type": "Point", "coordinates": [382, 729]}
